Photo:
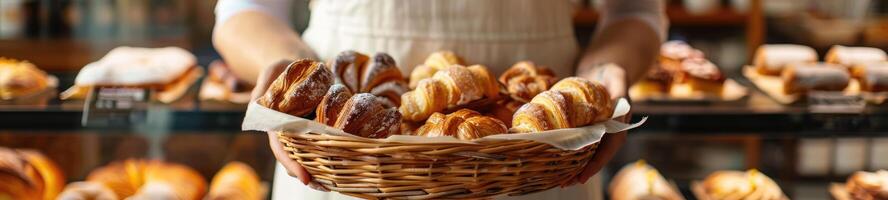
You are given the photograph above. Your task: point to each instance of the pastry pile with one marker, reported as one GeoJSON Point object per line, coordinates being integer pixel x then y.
{"type": "Point", "coordinates": [369, 97]}
{"type": "Point", "coordinates": [679, 65]}
{"type": "Point", "coordinates": [801, 73]}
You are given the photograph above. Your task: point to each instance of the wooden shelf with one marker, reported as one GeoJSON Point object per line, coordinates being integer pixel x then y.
{"type": "Point", "coordinates": [679, 16]}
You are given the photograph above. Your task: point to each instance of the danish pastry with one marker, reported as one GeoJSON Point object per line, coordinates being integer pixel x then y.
{"type": "Point", "coordinates": [525, 80]}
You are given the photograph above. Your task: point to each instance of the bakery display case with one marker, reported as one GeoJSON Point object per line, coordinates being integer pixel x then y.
{"type": "Point", "coordinates": [745, 98]}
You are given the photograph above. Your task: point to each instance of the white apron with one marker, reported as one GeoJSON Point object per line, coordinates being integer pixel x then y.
{"type": "Point", "coordinates": [495, 33]}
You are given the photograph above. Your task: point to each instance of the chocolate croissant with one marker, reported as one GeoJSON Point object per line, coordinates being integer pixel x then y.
{"type": "Point", "coordinates": [299, 89]}
{"type": "Point", "coordinates": [464, 124]}
{"type": "Point", "coordinates": [361, 114]}
{"type": "Point", "coordinates": [455, 85]}
{"type": "Point", "coordinates": [524, 80]}
{"type": "Point", "coordinates": [435, 62]}
{"type": "Point", "coordinates": [379, 76]}
{"type": "Point", "coordinates": [572, 102]}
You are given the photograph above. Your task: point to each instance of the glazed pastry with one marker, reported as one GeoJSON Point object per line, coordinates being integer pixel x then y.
{"type": "Point", "coordinates": [236, 181]}
{"type": "Point", "coordinates": [361, 114]}
{"type": "Point", "coordinates": [851, 56]}
{"type": "Point", "coordinates": [873, 77]}
{"type": "Point", "coordinates": [868, 185]}
{"type": "Point", "coordinates": [503, 110]}
{"type": "Point", "coordinates": [435, 62]}
{"type": "Point", "coordinates": [640, 181]}
{"type": "Point", "coordinates": [299, 89]}
{"type": "Point", "coordinates": [20, 78]}
{"type": "Point", "coordinates": [703, 75]}
{"type": "Point", "coordinates": [170, 71]}
{"type": "Point", "coordinates": [141, 179]}
{"type": "Point", "coordinates": [658, 80]}
{"type": "Point", "coordinates": [464, 124]}
{"type": "Point", "coordinates": [525, 80]}
{"type": "Point", "coordinates": [50, 177]}
{"type": "Point", "coordinates": [672, 53]}
{"type": "Point", "coordinates": [801, 78]}
{"type": "Point", "coordinates": [379, 76]}
{"type": "Point", "coordinates": [449, 87]}
{"type": "Point", "coordinates": [221, 84]}
{"type": "Point", "coordinates": [771, 59]}
{"type": "Point", "coordinates": [752, 185]}
{"type": "Point", "coordinates": [572, 102]}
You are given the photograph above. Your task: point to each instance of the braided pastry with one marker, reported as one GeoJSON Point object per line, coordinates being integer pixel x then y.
{"type": "Point", "coordinates": [572, 102]}
{"type": "Point", "coordinates": [435, 62]}
{"type": "Point", "coordinates": [524, 80]}
{"type": "Point", "coordinates": [299, 89]}
{"type": "Point", "coordinates": [380, 76]}
{"type": "Point", "coordinates": [450, 87]}
{"type": "Point", "coordinates": [464, 124]}
{"type": "Point", "coordinates": [361, 114]}
{"type": "Point", "coordinates": [751, 185]}
{"type": "Point", "coordinates": [868, 185]}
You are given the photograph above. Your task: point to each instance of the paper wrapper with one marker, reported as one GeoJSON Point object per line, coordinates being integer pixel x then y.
{"type": "Point", "coordinates": [260, 118]}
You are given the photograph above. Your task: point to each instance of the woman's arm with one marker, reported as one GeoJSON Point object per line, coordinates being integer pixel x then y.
{"type": "Point", "coordinates": [253, 35]}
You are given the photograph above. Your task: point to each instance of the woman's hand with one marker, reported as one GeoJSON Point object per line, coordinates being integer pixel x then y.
{"type": "Point", "coordinates": [266, 77]}
{"type": "Point", "coordinates": [613, 77]}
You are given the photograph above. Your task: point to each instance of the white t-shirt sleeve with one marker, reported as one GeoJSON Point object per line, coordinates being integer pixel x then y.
{"type": "Point", "coordinates": [652, 12]}
{"type": "Point", "coordinates": [277, 8]}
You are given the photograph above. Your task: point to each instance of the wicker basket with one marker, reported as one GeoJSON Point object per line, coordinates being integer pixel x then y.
{"type": "Point", "coordinates": [370, 169]}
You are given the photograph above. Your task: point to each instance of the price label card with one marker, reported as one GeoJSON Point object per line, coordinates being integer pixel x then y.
{"type": "Point", "coordinates": [115, 106]}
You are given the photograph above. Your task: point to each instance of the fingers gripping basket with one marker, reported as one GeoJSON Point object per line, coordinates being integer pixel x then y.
{"type": "Point", "coordinates": [414, 167]}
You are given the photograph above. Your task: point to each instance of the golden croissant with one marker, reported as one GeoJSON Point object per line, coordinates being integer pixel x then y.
{"type": "Point", "coordinates": [452, 86]}
{"type": "Point", "coordinates": [524, 80]}
{"type": "Point", "coordinates": [360, 114]}
{"type": "Point", "coordinates": [464, 124]}
{"type": "Point", "coordinates": [299, 89]}
{"type": "Point", "coordinates": [572, 102]}
{"type": "Point", "coordinates": [435, 62]}
{"type": "Point", "coordinates": [379, 76]}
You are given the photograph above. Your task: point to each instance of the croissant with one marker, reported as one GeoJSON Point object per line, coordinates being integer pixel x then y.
{"type": "Point", "coordinates": [572, 102]}
{"type": "Point", "coordinates": [751, 184]}
{"type": "Point", "coordinates": [464, 124]}
{"type": "Point", "coordinates": [299, 89]}
{"type": "Point", "coordinates": [452, 86]}
{"type": "Point", "coordinates": [361, 114]}
{"type": "Point", "coordinates": [236, 181]}
{"type": "Point", "coordinates": [524, 80]}
{"type": "Point", "coordinates": [380, 76]}
{"type": "Point", "coordinates": [140, 179]}
{"type": "Point", "coordinates": [435, 62]}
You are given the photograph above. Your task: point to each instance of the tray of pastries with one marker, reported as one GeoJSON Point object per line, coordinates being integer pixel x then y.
{"type": "Point", "coordinates": [640, 181]}
{"type": "Point", "coordinates": [862, 185]}
{"type": "Point", "coordinates": [450, 130]}
{"type": "Point", "coordinates": [169, 71]}
{"type": "Point", "coordinates": [788, 72]}
{"type": "Point", "coordinates": [683, 74]}
{"type": "Point", "coordinates": [751, 184]}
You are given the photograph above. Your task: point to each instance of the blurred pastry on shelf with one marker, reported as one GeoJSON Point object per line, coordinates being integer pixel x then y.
{"type": "Point", "coordinates": [771, 59]}
{"type": "Point", "coordinates": [463, 124]}
{"type": "Point", "coordinates": [752, 185]}
{"type": "Point", "coordinates": [572, 102]}
{"type": "Point", "coordinates": [867, 185]}
{"type": "Point", "coordinates": [27, 174]}
{"type": "Point", "coordinates": [435, 62]}
{"type": "Point", "coordinates": [449, 88]}
{"type": "Point", "coordinates": [378, 75]}
{"type": "Point", "coordinates": [236, 181]}
{"type": "Point", "coordinates": [640, 181]}
{"type": "Point", "coordinates": [298, 89]}
{"type": "Point", "coordinates": [852, 56]}
{"type": "Point", "coordinates": [139, 179]}
{"type": "Point", "coordinates": [672, 53]}
{"type": "Point", "coordinates": [20, 79]}
{"type": "Point", "coordinates": [169, 71]}
{"type": "Point", "coordinates": [361, 114]}
{"type": "Point", "coordinates": [221, 84]}
{"type": "Point", "coordinates": [801, 78]}
{"type": "Point", "coordinates": [702, 75]}
{"type": "Point", "coordinates": [657, 80]}
{"type": "Point", "coordinates": [873, 77]}
{"type": "Point", "coordinates": [524, 80]}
